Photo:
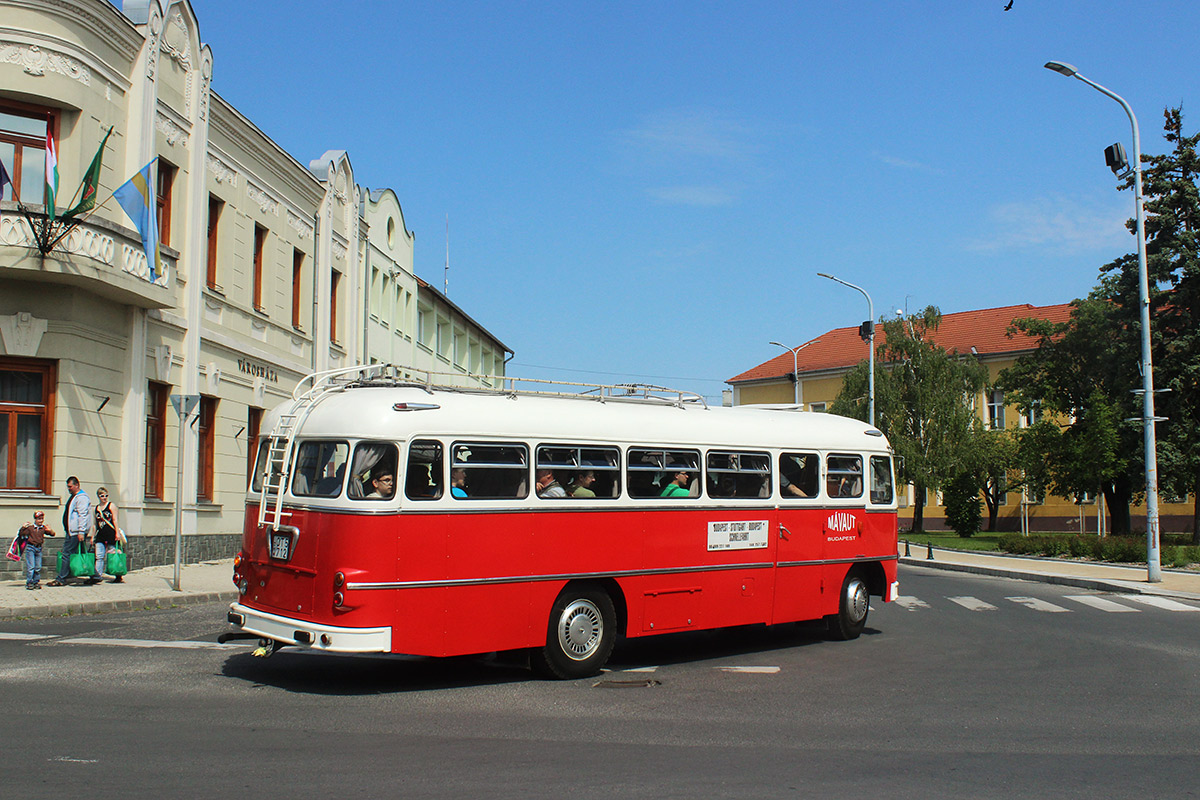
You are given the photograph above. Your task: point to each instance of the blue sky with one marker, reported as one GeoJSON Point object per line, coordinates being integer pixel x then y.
{"type": "Point", "coordinates": [647, 190]}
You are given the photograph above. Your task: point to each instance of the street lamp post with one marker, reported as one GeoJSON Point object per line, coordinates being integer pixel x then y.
{"type": "Point", "coordinates": [795, 368]}
{"type": "Point", "coordinates": [870, 339]}
{"type": "Point", "coordinates": [1153, 569]}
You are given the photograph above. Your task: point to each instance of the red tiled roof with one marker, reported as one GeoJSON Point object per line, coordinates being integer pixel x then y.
{"type": "Point", "coordinates": [841, 348]}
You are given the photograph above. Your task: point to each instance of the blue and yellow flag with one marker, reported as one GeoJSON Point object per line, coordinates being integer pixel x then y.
{"type": "Point", "coordinates": [136, 197]}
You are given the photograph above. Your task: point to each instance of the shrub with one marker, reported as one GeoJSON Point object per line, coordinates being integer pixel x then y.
{"type": "Point", "coordinates": [963, 514]}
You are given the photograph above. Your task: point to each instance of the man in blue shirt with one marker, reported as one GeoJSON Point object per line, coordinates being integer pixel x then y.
{"type": "Point", "coordinates": [77, 518]}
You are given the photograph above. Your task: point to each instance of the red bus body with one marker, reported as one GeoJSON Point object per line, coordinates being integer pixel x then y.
{"type": "Point", "coordinates": [451, 576]}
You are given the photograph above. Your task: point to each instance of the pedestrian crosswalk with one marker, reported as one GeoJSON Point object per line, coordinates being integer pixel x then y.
{"type": "Point", "coordinates": [1131, 603]}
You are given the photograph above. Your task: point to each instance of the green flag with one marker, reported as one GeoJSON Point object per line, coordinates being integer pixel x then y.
{"type": "Point", "coordinates": [91, 182]}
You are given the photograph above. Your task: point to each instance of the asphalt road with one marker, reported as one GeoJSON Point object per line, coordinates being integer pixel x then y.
{"type": "Point", "coordinates": [968, 687]}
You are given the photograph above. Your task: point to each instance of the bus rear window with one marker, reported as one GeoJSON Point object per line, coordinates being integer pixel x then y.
{"type": "Point", "coordinates": [490, 471]}
{"type": "Point", "coordinates": [320, 468]}
{"type": "Point", "coordinates": [260, 464]}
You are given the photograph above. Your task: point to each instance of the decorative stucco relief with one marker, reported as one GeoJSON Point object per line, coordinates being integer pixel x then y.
{"type": "Point", "coordinates": [221, 172]}
{"type": "Point", "coordinates": [171, 130]}
{"type": "Point", "coordinates": [36, 61]}
{"type": "Point", "coordinates": [258, 195]}
{"type": "Point", "coordinates": [300, 225]}
{"type": "Point", "coordinates": [22, 333]}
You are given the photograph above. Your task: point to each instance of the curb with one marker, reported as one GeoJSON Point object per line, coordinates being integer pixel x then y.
{"type": "Point", "coordinates": [1096, 584]}
{"type": "Point", "coordinates": [108, 606]}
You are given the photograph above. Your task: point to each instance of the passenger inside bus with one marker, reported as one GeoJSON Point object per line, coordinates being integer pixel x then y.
{"type": "Point", "coordinates": [548, 486]}
{"type": "Point", "coordinates": [798, 475]}
{"type": "Point", "coordinates": [678, 486]}
{"type": "Point", "coordinates": [458, 482]}
{"type": "Point", "coordinates": [383, 486]}
{"type": "Point", "coordinates": [581, 486]}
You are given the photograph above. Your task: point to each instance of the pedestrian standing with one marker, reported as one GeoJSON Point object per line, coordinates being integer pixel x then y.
{"type": "Point", "coordinates": [106, 533]}
{"type": "Point", "coordinates": [77, 517]}
{"type": "Point", "coordinates": [35, 534]}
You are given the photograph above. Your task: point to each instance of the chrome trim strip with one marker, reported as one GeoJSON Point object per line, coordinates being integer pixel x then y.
{"type": "Point", "coordinates": [630, 573]}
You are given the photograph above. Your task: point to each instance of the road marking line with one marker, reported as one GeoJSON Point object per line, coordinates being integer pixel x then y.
{"type": "Point", "coordinates": [640, 669]}
{"type": "Point", "coordinates": [1039, 605]}
{"type": "Point", "coordinates": [25, 637]}
{"type": "Point", "coordinates": [910, 603]}
{"type": "Point", "coordinates": [150, 643]}
{"type": "Point", "coordinates": [751, 670]}
{"type": "Point", "coordinates": [972, 603]}
{"type": "Point", "coordinates": [1161, 602]}
{"type": "Point", "coordinates": [1102, 603]}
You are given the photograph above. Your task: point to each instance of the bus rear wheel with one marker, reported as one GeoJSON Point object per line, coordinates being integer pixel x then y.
{"type": "Point", "coordinates": [853, 604]}
{"type": "Point", "coordinates": [580, 636]}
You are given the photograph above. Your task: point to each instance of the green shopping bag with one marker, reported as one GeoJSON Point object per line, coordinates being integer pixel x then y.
{"type": "Point", "coordinates": [115, 561]}
{"type": "Point", "coordinates": [83, 565]}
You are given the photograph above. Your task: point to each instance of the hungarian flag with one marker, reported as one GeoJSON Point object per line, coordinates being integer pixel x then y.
{"type": "Point", "coordinates": [51, 174]}
{"type": "Point", "coordinates": [91, 183]}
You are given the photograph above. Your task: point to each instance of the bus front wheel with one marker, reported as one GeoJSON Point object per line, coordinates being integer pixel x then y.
{"type": "Point", "coordinates": [580, 636]}
{"type": "Point", "coordinates": [853, 604]}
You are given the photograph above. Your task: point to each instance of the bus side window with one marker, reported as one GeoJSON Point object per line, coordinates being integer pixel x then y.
{"type": "Point", "coordinates": [585, 473]}
{"type": "Point", "coordinates": [663, 473]}
{"type": "Point", "coordinates": [798, 475]}
{"type": "Point", "coordinates": [319, 469]}
{"type": "Point", "coordinates": [423, 477]}
{"type": "Point", "coordinates": [373, 461]}
{"type": "Point", "coordinates": [843, 476]}
{"type": "Point", "coordinates": [881, 480]}
{"type": "Point", "coordinates": [739, 474]}
{"type": "Point", "coordinates": [491, 471]}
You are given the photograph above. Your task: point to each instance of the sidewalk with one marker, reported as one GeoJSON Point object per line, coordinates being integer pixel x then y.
{"type": "Point", "coordinates": [1083, 574]}
{"type": "Point", "coordinates": [151, 587]}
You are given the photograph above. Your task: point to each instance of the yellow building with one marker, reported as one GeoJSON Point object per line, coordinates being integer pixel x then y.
{"type": "Point", "coordinates": [812, 378]}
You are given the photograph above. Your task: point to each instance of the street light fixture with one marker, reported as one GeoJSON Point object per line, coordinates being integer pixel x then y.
{"type": "Point", "coordinates": [870, 327]}
{"type": "Point", "coordinates": [1153, 569]}
{"type": "Point", "coordinates": [795, 367]}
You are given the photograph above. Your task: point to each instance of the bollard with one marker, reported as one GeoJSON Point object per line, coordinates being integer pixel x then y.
{"type": "Point", "coordinates": [907, 554]}
{"type": "Point", "coordinates": [930, 556]}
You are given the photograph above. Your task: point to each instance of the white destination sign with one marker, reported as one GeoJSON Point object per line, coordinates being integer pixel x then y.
{"type": "Point", "coordinates": [742, 535]}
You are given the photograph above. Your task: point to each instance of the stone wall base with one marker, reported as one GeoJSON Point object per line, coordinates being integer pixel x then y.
{"type": "Point", "coordinates": [144, 551]}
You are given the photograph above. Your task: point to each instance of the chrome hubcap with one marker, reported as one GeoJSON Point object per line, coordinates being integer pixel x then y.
{"type": "Point", "coordinates": [579, 629]}
{"type": "Point", "coordinates": [857, 600]}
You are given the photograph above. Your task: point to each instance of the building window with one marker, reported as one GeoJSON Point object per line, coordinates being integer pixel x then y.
{"type": "Point", "coordinates": [995, 409]}
{"type": "Point", "coordinates": [253, 429]}
{"type": "Point", "coordinates": [26, 390]}
{"type": "Point", "coordinates": [1032, 415]}
{"type": "Point", "coordinates": [297, 276]}
{"type": "Point", "coordinates": [156, 438]}
{"type": "Point", "coordinates": [166, 181]}
{"type": "Point", "coordinates": [207, 429]}
{"type": "Point", "coordinates": [334, 296]}
{"type": "Point", "coordinates": [260, 245]}
{"type": "Point", "coordinates": [215, 207]}
{"type": "Point", "coordinates": [818, 407]}
{"type": "Point", "coordinates": [23, 150]}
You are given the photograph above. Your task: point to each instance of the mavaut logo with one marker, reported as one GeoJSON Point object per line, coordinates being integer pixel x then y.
{"type": "Point", "coordinates": [841, 522]}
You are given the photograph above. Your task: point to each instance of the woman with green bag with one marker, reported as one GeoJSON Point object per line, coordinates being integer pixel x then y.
{"type": "Point", "coordinates": [105, 535]}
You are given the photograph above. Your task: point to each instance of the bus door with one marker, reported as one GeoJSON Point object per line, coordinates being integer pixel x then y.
{"type": "Point", "coordinates": [844, 521]}
{"type": "Point", "coordinates": [800, 545]}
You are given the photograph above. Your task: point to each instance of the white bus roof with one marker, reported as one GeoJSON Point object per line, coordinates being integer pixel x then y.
{"type": "Point", "coordinates": [374, 412]}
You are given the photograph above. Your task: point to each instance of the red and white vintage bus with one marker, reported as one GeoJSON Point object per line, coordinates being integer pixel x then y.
{"type": "Point", "coordinates": [387, 514]}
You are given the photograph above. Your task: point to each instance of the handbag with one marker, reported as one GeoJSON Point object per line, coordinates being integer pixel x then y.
{"type": "Point", "coordinates": [115, 561]}
{"type": "Point", "coordinates": [83, 565]}
{"type": "Point", "coordinates": [15, 549]}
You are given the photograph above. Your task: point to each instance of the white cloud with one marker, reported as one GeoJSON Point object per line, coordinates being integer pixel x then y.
{"type": "Point", "coordinates": [1058, 224]}
{"type": "Point", "coordinates": [903, 163]}
{"type": "Point", "coordinates": [691, 133]}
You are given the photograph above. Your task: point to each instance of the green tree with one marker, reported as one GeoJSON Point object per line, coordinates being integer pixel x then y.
{"type": "Point", "coordinates": [961, 497]}
{"type": "Point", "coordinates": [923, 400]}
{"type": "Point", "coordinates": [1082, 374]}
{"type": "Point", "coordinates": [1172, 201]}
{"type": "Point", "coordinates": [993, 460]}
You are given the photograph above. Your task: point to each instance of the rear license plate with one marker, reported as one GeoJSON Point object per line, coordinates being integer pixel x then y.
{"type": "Point", "coordinates": [281, 546]}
